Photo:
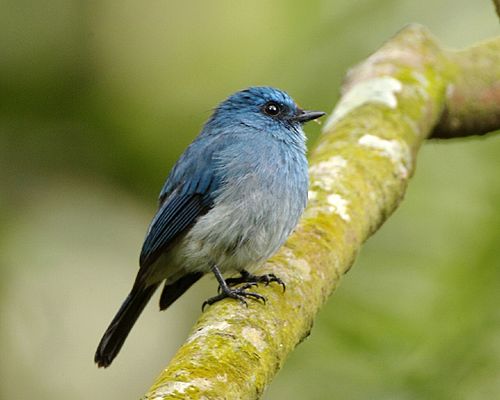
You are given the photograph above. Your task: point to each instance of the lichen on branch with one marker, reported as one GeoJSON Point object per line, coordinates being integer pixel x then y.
{"type": "Point", "coordinates": [359, 171]}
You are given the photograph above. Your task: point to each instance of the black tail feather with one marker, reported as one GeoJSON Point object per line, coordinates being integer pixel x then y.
{"type": "Point", "coordinates": [122, 323]}
{"type": "Point", "coordinates": [174, 290]}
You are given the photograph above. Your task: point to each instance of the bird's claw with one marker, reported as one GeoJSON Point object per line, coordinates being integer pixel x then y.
{"type": "Point", "coordinates": [267, 279]}
{"type": "Point", "coordinates": [246, 286]}
{"type": "Point", "coordinates": [239, 294]}
{"type": "Point", "coordinates": [255, 279]}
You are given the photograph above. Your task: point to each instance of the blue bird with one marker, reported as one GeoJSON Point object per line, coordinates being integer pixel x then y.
{"type": "Point", "coordinates": [229, 203]}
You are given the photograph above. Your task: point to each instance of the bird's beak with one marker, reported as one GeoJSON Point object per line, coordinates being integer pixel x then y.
{"type": "Point", "coordinates": [305, 116]}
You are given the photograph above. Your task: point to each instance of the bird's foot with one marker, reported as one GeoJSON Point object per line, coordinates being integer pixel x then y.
{"type": "Point", "coordinates": [239, 293]}
{"type": "Point", "coordinates": [247, 277]}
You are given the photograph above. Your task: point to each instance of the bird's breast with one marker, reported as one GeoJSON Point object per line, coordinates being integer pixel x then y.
{"type": "Point", "coordinates": [254, 211]}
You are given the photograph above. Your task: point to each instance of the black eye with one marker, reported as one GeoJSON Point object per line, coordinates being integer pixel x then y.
{"type": "Point", "coordinates": [272, 108]}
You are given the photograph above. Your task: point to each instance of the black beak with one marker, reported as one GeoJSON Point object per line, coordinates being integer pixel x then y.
{"type": "Point", "coordinates": [305, 116]}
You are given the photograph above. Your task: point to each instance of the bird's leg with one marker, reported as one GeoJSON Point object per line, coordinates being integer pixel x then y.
{"type": "Point", "coordinates": [225, 291]}
{"type": "Point", "coordinates": [247, 277]}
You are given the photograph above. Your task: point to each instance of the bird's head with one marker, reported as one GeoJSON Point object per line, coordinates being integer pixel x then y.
{"type": "Point", "coordinates": [263, 108]}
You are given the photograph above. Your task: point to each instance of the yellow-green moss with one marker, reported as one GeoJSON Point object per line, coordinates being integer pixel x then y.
{"type": "Point", "coordinates": [359, 172]}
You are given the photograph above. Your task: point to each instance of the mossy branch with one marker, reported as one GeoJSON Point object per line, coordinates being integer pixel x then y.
{"type": "Point", "coordinates": [472, 92]}
{"type": "Point", "coordinates": [359, 172]}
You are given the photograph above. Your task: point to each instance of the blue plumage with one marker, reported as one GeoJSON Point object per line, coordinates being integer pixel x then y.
{"type": "Point", "coordinates": [229, 203]}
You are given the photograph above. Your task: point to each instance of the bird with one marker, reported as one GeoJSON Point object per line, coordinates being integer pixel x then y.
{"type": "Point", "coordinates": [228, 204]}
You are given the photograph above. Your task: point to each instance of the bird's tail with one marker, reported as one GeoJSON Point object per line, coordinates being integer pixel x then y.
{"type": "Point", "coordinates": [122, 323]}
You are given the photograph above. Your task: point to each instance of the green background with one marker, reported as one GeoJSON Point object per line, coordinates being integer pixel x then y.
{"type": "Point", "coordinates": [97, 101]}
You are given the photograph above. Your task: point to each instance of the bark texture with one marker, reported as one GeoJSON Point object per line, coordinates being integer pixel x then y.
{"type": "Point", "coordinates": [406, 91]}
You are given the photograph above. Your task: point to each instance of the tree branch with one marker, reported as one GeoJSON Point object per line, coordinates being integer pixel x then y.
{"type": "Point", "coordinates": [359, 172]}
{"type": "Point", "coordinates": [473, 92]}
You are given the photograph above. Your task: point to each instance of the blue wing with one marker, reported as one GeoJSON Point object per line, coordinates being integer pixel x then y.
{"type": "Point", "coordinates": [187, 194]}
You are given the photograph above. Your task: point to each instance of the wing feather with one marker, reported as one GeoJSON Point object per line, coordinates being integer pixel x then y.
{"type": "Point", "coordinates": [187, 194]}
{"type": "Point", "coordinates": [173, 218]}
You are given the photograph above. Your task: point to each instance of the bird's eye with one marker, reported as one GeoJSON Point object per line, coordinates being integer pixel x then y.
{"type": "Point", "coordinates": [272, 108]}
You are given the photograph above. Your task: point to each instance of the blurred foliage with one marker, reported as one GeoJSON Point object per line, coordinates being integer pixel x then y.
{"type": "Point", "coordinates": [98, 99]}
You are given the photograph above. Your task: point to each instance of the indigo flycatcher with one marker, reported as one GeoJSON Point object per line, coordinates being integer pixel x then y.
{"type": "Point", "coordinates": [229, 203]}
